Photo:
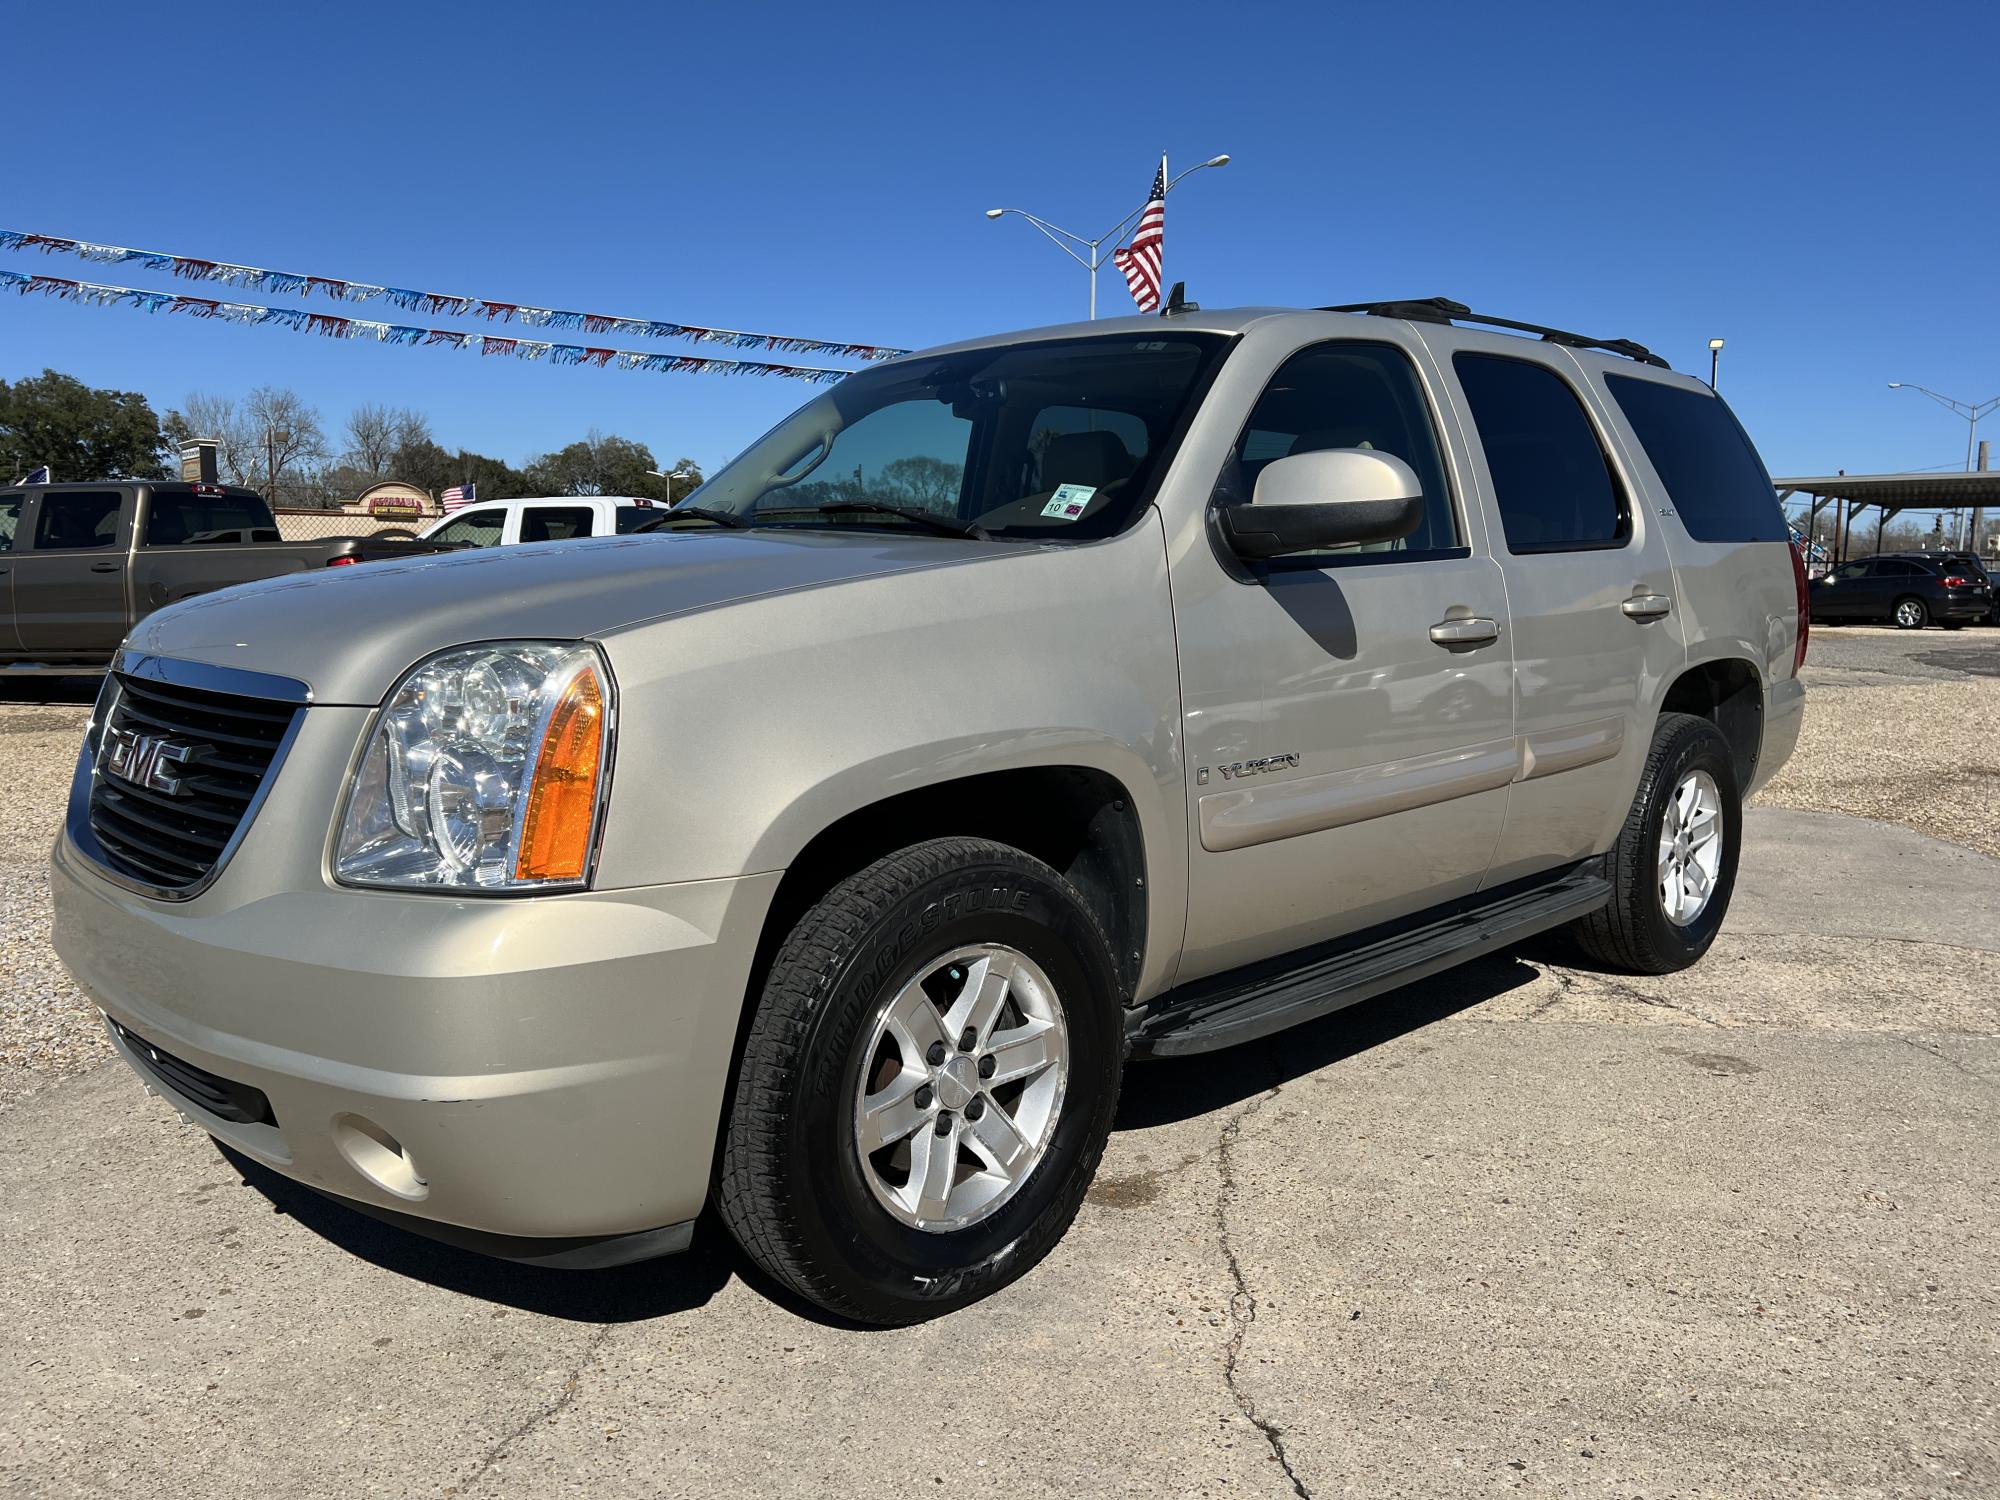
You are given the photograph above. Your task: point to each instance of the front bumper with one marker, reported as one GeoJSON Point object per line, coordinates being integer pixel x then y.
{"type": "Point", "coordinates": [544, 1069]}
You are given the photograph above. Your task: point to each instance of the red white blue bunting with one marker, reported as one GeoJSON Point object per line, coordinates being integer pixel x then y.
{"type": "Point", "coordinates": [332, 325]}
{"type": "Point", "coordinates": [290, 283]}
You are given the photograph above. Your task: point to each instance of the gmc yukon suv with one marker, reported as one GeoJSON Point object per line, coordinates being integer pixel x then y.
{"type": "Point", "coordinates": [1014, 710]}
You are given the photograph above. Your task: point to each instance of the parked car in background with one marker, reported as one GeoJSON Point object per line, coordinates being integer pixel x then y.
{"type": "Point", "coordinates": [81, 564]}
{"type": "Point", "coordinates": [502, 523]}
{"type": "Point", "coordinates": [1965, 565]}
{"type": "Point", "coordinates": [1909, 589]}
{"type": "Point", "coordinates": [825, 855]}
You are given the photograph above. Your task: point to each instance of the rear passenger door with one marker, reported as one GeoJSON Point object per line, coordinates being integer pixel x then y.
{"type": "Point", "coordinates": [1590, 590]}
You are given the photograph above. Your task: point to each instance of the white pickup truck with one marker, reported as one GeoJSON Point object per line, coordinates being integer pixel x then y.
{"type": "Point", "coordinates": [555, 518]}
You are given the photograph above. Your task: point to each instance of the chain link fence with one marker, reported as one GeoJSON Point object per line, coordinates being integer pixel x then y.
{"type": "Point", "coordinates": [317, 525]}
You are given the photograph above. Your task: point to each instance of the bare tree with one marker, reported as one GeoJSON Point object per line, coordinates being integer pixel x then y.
{"type": "Point", "coordinates": [376, 433]}
{"type": "Point", "coordinates": [286, 435]}
{"type": "Point", "coordinates": [239, 455]}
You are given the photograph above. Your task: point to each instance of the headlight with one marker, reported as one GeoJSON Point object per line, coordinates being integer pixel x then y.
{"type": "Point", "coordinates": [485, 771]}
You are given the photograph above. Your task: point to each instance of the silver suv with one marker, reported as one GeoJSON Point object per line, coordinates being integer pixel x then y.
{"type": "Point", "coordinates": [1013, 710]}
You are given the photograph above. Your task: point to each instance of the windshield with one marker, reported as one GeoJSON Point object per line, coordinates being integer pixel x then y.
{"type": "Point", "coordinates": [1062, 440]}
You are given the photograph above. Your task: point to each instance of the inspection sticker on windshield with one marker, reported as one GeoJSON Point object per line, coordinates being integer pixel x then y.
{"type": "Point", "coordinates": [1069, 501]}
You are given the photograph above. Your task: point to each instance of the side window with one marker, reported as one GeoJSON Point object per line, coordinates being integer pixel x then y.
{"type": "Point", "coordinates": [1551, 478]}
{"type": "Point", "coordinates": [482, 528]}
{"type": "Point", "coordinates": [554, 523]}
{"type": "Point", "coordinates": [77, 522]}
{"type": "Point", "coordinates": [1717, 483]}
{"type": "Point", "coordinates": [1347, 395]}
{"type": "Point", "coordinates": [10, 519]}
{"type": "Point", "coordinates": [1849, 570]}
{"type": "Point", "coordinates": [174, 519]}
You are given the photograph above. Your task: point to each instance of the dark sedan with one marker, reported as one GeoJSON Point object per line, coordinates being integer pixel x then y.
{"type": "Point", "coordinates": [1911, 591]}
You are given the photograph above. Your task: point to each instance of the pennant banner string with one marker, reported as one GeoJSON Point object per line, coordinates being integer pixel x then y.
{"type": "Point", "coordinates": [331, 325]}
{"type": "Point", "coordinates": [255, 278]}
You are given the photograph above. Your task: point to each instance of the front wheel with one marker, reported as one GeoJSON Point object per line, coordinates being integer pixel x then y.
{"type": "Point", "coordinates": [1910, 614]}
{"type": "Point", "coordinates": [1674, 865]}
{"type": "Point", "coordinates": [927, 1086]}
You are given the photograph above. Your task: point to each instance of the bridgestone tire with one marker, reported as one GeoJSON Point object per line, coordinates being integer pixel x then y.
{"type": "Point", "coordinates": [792, 1189]}
{"type": "Point", "coordinates": [1632, 933]}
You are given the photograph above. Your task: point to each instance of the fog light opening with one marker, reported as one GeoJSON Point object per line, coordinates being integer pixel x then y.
{"type": "Point", "coordinates": [378, 1156]}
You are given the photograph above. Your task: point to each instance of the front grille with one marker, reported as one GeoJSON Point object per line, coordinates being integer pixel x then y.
{"type": "Point", "coordinates": [222, 1097]}
{"type": "Point", "coordinates": [219, 747]}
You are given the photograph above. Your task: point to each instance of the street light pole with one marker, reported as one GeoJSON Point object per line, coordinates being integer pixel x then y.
{"type": "Point", "coordinates": [1714, 361]}
{"type": "Point", "coordinates": [1067, 241]}
{"type": "Point", "coordinates": [1972, 411]}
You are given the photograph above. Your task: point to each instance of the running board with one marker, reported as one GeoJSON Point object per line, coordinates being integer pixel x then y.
{"type": "Point", "coordinates": [1212, 1014]}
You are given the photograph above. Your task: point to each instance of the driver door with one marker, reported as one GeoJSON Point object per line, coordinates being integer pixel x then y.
{"type": "Point", "coordinates": [1346, 767]}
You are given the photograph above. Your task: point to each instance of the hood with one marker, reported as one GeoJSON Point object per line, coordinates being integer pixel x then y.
{"type": "Point", "coordinates": [350, 633]}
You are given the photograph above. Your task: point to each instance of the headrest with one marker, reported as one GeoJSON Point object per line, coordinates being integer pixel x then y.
{"type": "Point", "coordinates": [1092, 458]}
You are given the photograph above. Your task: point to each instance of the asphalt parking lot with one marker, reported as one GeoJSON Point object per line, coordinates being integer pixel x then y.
{"type": "Point", "coordinates": [1525, 1228]}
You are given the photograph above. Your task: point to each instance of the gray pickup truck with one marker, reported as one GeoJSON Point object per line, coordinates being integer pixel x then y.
{"type": "Point", "coordinates": [1013, 711]}
{"type": "Point", "coordinates": [81, 564]}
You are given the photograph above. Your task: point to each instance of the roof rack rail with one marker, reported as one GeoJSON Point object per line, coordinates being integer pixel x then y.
{"type": "Point", "coordinates": [1444, 310]}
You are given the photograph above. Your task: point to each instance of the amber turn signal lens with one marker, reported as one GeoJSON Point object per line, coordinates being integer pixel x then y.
{"type": "Point", "coordinates": [562, 802]}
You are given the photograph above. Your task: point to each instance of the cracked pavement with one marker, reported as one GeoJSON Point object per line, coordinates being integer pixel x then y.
{"type": "Point", "coordinates": [1521, 1228]}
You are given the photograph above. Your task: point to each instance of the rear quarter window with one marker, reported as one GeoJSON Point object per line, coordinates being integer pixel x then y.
{"type": "Point", "coordinates": [1717, 484]}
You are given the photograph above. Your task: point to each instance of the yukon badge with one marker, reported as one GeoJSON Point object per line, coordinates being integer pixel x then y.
{"type": "Point", "coordinates": [146, 760]}
{"type": "Point", "coordinates": [1236, 770]}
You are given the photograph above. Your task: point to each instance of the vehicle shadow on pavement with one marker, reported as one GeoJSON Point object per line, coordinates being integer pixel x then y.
{"type": "Point", "coordinates": [1168, 1090]}
{"type": "Point", "coordinates": [622, 1294]}
{"type": "Point", "coordinates": [1155, 1093]}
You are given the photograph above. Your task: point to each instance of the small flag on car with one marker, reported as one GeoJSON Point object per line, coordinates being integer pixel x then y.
{"type": "Point", "coordinates": [458, 497]}
{"type": "Point", "coordinates": [1141, 260]}
{"type": "Point", "coordinates": [36, 476]}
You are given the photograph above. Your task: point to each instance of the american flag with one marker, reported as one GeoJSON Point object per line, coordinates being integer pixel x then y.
{"type": "Point", "coordinates": [1140, 260]}
{"type": "Point", "coordinates": [458, 497]}
{"type": "Point", "coordinates": [37, 476]}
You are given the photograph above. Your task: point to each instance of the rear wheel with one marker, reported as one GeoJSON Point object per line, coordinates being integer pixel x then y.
{"type": "Point", "coordinates": [927, 1086]}
{"type": "Point", "coordinates": [1911, 614]}
{"type": "Point", "coordinates": [1674, 866]}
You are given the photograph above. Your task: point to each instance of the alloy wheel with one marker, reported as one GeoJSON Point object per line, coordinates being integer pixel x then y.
{"type": "Point", "coordinates": [960, 1087]}
{"type": "Point", "coordinates": [1690, 847]}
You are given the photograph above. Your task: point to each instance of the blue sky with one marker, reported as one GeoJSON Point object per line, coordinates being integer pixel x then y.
{"type": "Point", "coordinates": [1815, 183]}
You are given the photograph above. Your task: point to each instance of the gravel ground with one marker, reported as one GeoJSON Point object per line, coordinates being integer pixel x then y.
{"type": "Point", "coordinates": [47, 1028]}
{"type": "Point", "coordinates": [1900, 726]}
{"type": "Point", "coordinates": [1904, 727]}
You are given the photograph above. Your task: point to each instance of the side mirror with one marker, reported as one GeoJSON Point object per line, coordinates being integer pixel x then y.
{"type": "Point", "coordinates": [1333, 498]}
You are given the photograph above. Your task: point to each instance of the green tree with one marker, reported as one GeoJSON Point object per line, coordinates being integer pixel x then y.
{"type": "Point", "coordinates": [605, 464]}
{"type": "Point", "coordinates": [79, 431]}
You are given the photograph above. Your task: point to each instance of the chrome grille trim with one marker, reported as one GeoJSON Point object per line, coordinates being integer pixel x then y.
{"type": "Point", "coordinates": [129, 832]}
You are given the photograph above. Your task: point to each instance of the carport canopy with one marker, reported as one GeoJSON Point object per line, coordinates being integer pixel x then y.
{"type": "Point", "coordinates": [1894, 492]}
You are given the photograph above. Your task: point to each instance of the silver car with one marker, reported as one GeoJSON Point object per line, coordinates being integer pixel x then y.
{"type": "Point", "coordinates": [1013, 710]}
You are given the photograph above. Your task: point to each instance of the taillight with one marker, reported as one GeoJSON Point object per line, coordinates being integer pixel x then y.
{"type": "Point", "coordinates": [1805, 607]}
{"type": "Point", "coordinates": [342, 562]}
{"type": "Point", "coordinates": [1956, 582]}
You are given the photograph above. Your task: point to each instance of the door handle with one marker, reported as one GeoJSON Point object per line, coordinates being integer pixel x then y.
{"type": "Point", "coordinates": [104, 567]}
{"type": "Point", "coordinates": [1471, 631]}
{"type": "Point", "coordinates": [1647, 606]}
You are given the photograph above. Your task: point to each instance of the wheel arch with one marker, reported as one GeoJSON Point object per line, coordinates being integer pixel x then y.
{"type": "Point", "coordinates": [1729, 692]}
{"type": "Point", "coordinates": [1080, 820]}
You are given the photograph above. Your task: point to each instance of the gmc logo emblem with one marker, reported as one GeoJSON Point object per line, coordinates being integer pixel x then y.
{"type": "Point", "coordinates": [146, 760]}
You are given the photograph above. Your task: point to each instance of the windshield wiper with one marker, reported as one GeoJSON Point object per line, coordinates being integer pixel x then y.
{"type": "Point", "coordinates": [944, 525]}
{"type": "Point", "coordinates": [696, 513]}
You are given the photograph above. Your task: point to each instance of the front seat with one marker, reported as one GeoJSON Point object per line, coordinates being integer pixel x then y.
{"type": "Point", "coordinates": [1096, 459]}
